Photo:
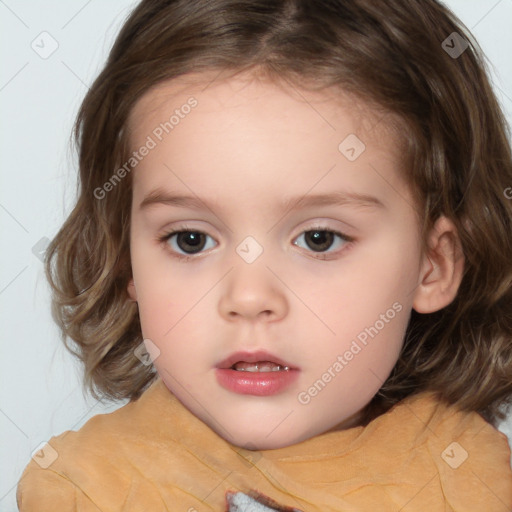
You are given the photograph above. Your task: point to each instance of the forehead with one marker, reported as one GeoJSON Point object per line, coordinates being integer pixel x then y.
{"type": "Point", "coordinates": [248, 132]}
{"type": "Point", "coordinates": [229, 94]}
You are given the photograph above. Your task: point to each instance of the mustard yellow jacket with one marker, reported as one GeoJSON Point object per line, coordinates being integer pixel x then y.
{"type": "Point", "coordinates": [154, 455]}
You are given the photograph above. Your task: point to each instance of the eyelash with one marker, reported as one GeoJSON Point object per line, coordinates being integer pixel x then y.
{"type": "Point", "coordinates": [164, 238]}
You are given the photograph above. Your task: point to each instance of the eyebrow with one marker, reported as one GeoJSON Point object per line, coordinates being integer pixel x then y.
{"type": "Point", "coordinates": [161, 197]}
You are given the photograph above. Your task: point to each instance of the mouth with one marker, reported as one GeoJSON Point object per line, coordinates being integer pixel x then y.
{"type": "Point", "coordinates": [260, 366]}
{"type": "Point", "coordinates": [256, 373]}
{"type": "Point", "coordinates": [255, 362]}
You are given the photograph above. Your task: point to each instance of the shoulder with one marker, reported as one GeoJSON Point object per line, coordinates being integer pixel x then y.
{"type": "Point", "coordinates": [76, 467]}
{"type": "Point", "coordinates": [106, 436]}
{"type": "Point", "coordinates": [437, 419]}
{"type": "Point", "coordinates": [425, 418]}
{"type": "Point", "coordinates": [462, 449]}
{"type": "Point", "coordinates": [46, 491]}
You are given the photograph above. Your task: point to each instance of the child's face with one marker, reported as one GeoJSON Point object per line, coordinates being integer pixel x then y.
{"type": "Point", "coordinates": [334, 311]}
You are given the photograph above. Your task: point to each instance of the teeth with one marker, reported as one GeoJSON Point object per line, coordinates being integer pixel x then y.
{"type": "Point", "coordinates": [260, 366]}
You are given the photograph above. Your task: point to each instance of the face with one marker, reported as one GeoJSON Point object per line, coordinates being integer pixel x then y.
{"type": "Point", "coordinates": [274, 256]}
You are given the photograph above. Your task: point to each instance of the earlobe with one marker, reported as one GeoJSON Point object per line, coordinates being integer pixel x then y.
{"type": "Point", "coordinates": [441, 270]}
{"type": "Point", "coordinates": [132, 292]}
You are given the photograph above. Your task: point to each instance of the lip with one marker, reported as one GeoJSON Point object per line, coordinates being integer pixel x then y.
{"type": "Point", "coordinates": [255, 383]}
{"type": "Point", "coordinates": [253, 357]}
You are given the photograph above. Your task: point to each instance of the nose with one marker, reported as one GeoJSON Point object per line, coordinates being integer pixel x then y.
{"type": "Point", "coordinates": [252, 292]}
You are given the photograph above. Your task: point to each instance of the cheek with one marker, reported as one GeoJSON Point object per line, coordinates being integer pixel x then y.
{"type": "Point", "coordinates": [358, 360]}
{"type": "Point", "coordinates": [364, 308]}
{"type": "Point", "coordinates": [169, 297]}
{"type": "Point", "coordinates": [156, 297]}
{"type": "Point", "coordinates": [352, 293]}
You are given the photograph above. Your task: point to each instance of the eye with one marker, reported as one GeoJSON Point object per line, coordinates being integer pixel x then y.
{"type": "Point", "coordinates": [189, 242]}
{"type": "Point", "coordinates": [321, 239]}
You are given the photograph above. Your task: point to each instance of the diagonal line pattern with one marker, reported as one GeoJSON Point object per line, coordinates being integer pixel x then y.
{"type": "Point", "coordinates": [76, 484]}
{"type": "Point", "coordinates": [9, 491]}
{"type": "Point", "coordinates": [14, 218]}
{"type": "Point", "coordinates": [198, 301]}
{"type": "Point", "coordinates": [170, 170]}
{"type": "Point", "coordinates": [14, 423]}
{"type": "Point", "coordinates": [300, 299]}
{"type": "Point", "coordinates": [75, 74]}
{"type": "Point", "coordinates": [486, 14]}
{"type": "Point", "coordinates": [421, 421]}
{"type": "Point", "coordinates": [13, 279]}
{"type": "Point", "coordinates": [301, 95]}
{"type": "Point", "coordinates": [378, 121]}
{"type": "Point", "coordinates": [14, 76]}
{"type": "Point", "coordinates": [278, 485]}
{"type": "Point", "coordinates": [291, 207]}
{"type": "Point", "coordinates": [398, 193]}
{"type": "Point", "coordinates": [222, 427]}
{"type": "Point", "coordinates": [227, 476]}
{"type": "Point", "coordinates": [490, 490]}
{"type": "Point", "coordinates": [76, 14]}
{"type": "Point", "coordinates": [280, 423]}
{"type": "Point", "coordinates": [416, 495]}
{"type": "Point", "coordinates": [64, 434]}
{"type": "Point", "coordinates": [13, 13]}
{"type": "Point", "coordinates": [320, 115]}
{"type": "Point", "coordinates": [211, 82]}
{"type": "Point", "coordinates": [408, 406]}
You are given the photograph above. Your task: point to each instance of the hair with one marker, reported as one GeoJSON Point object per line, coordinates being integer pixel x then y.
{"type": "Point", "coordinates": [390, 55]}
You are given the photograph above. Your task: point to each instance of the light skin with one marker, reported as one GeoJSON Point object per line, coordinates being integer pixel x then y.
{"type": "Point", "coordinates": [247, 147]}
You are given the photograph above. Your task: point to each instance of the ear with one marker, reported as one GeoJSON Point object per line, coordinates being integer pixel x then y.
{"type": "Point", "coordinates": [132, 292]}
{"type": "Point", "coordinates": [441, 270]}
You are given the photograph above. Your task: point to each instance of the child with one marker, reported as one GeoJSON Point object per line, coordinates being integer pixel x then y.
{"type": "Point", "coordinates": [291, 251]}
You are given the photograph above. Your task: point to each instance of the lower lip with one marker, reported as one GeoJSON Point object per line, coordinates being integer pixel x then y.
{"type": "Point", "coordinates": [255, 383]}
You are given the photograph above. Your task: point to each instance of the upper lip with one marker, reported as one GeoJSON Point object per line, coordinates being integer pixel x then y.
{"type": "Point", "coordinates": [253, 357]}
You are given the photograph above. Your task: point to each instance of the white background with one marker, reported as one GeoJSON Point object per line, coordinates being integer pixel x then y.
{"type": "Point", "coordinates": [40, 387]}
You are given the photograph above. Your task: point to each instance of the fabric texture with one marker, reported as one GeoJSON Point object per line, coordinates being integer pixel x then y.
{"type": "Point", "coordinates": [154, 455]}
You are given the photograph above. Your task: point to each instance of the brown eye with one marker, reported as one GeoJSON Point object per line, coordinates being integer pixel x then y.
{"type": "Point", "coordinates": [321, 240]}
{"type": "Point", "coordinates": [186, 243]}
{"type": "Point", "coordinates": [190, 241]}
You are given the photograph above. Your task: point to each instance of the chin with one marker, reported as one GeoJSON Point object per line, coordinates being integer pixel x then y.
{"type": "Point", "coordinates": [261, 440]}
{"type": "Point", "coordinates": [256, 443]}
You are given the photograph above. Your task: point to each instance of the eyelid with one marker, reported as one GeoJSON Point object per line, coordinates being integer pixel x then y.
{"type": "Point", "coordinates": [318, 226]}
{"type": "Point", "coordinates": [322, 226]}
{"type": "Point", "coordinates": [167, 234]}
{"type": "Point", "coordinates": [326, 255]}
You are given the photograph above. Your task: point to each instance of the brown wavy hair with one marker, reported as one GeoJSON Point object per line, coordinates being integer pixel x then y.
{"type": "Point", "coordinates": [391, 55]}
